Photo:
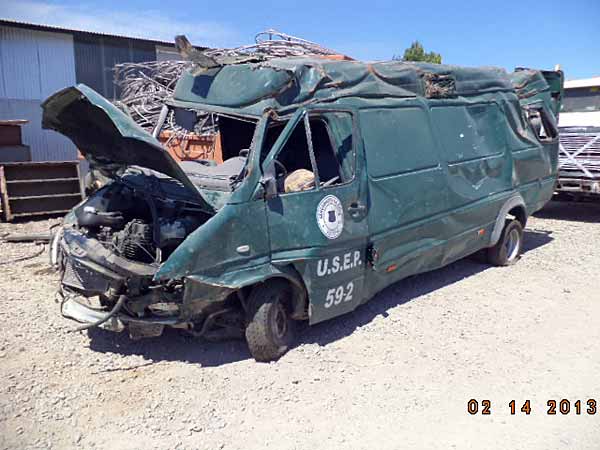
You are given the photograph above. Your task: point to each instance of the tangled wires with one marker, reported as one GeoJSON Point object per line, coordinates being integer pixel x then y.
{"type": "Point", "coordinates": [145, 86]}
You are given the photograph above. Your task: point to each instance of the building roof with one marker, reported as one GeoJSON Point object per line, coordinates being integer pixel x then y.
{"type": "Point", "coordinates": [583, 82]}
{"type": "Point", "coordinates": [56, 29]}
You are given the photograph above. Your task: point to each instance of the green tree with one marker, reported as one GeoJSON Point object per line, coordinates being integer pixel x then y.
{"type": "Point", "coordinates": [416, 52]}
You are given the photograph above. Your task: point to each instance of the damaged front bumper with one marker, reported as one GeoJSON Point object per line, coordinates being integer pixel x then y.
{"type": "Point", "coordinates": [74, 308]}
{"type": "Point", "coordinates": [90, 271]}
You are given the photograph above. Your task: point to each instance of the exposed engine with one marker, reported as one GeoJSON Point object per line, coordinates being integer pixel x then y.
{"type": "Point", "coordinates": [136, 225]}
{"type": "Point", "coordinates": [135, 241]}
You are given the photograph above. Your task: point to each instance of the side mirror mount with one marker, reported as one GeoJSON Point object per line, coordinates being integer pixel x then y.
{"type": "Point", "coordinates": [269, 182]}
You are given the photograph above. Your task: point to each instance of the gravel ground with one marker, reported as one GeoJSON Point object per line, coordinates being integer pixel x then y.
{"type": "Point", "coordinates": [397, 373]}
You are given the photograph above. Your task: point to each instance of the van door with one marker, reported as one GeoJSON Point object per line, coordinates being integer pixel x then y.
{"type": "Point", "coordinates": [478, 172]}
{"type": "Point", "coordinates": [407, 192]}
{"type": "Point", "coordinates": [317, 221]}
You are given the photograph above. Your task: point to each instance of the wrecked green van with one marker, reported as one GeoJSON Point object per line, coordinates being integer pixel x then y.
{"type": "Point", "coordinates": [339, 178]}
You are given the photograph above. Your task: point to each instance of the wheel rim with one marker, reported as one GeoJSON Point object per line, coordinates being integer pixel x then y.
{"type": "Point", "coordinates": [280, 321]}
{"type": "Point", "coordinates": [512, 244]}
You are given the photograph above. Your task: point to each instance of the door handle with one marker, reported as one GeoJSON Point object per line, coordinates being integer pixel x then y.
{"type": "Point", "coordinates": [356, 208]}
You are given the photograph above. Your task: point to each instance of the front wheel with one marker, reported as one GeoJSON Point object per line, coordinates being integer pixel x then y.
{"type": "Point", "coordinates": [508, 248]}
{"type": "Point", "coordinates": [270, 331]}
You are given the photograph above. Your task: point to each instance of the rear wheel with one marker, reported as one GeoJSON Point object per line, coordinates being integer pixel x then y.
{"type": "Point", "coordinates": [508, 248]}
{"type": "Point", "coordinates": [270, 331]}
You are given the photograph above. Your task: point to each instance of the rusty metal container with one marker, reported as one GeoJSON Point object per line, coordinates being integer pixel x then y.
{"type": "Point", "coordinates": [192, 146]}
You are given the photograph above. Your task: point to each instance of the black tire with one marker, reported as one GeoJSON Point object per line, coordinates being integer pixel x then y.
{"type": "Point", "coordinates": [508, 248]}
{"type": "Point", "coordinates": [270, 331]}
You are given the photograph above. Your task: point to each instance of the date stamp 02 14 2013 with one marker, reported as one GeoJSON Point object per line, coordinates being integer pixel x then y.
{"type": "Point", "coordinates": [553, 407]}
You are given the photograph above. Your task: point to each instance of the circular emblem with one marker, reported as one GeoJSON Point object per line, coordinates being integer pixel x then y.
{"type": "Point", "coordinates": [330, 216]}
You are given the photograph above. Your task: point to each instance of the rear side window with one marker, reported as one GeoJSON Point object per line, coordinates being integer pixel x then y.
{"type": "Point", "coordinates": [542, 125]}
{"type": "Point", "coordinates": [397, 141]}
{"type": "Point", "coordinates": [471, 131]}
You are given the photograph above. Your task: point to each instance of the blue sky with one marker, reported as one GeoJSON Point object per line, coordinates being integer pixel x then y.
{"type": "Point", "coordinates": [503, 33]}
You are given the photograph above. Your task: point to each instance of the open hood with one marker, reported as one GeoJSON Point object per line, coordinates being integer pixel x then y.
{"type": "Point", "coordinates": [105, 134]}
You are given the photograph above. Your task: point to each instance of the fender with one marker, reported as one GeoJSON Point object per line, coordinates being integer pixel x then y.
{"type": "Point", "coordinates": [514, 201]}
{"type": "Point", "coordinates": [200, 289]}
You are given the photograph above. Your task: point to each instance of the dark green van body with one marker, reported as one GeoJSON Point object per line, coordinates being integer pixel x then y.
{"type": "Point", "coordinates": [432, 159]}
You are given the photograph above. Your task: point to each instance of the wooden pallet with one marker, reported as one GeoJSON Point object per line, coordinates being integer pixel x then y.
{"type": "Point", "coordinates": [39, 188]}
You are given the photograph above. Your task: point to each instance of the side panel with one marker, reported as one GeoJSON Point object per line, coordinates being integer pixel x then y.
{"type": "Point", "coordinates": [478, 173]}
{"type": "Point", "coordinates": [407, 192]}
{"type": "Point", "coordinates": [535, 164]}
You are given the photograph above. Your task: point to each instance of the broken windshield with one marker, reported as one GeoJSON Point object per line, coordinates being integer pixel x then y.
{"type": "Point", "coordinates": [231, 139]}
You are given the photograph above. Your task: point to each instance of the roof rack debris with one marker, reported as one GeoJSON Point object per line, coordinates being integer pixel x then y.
{"type": "Point", "coordinates": [145, 86]}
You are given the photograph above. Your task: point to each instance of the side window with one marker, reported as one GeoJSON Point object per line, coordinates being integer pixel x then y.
{"type": "Point", "coordinates": [321, 153]}
{"type": "Point", "coordinates": [294, 165]}
{"type": "Point", "coordinates": [541, 124]}
{"type": "Point", "coordinates": [331, 135]}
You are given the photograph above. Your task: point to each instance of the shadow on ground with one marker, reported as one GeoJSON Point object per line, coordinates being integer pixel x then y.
{"type": "Point", "coordinates": [588, 211]}
{"type": "Point", "coordinates": [174, 345]}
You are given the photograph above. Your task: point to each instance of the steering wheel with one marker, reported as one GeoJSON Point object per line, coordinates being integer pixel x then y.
{"type": "Point", "coordinates": [283, 172]}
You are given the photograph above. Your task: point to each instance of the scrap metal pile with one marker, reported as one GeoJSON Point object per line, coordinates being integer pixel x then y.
{"type": "Point", "coordinates": [145, 86]}
{"type": "Point", "coordinates": [274, 44]}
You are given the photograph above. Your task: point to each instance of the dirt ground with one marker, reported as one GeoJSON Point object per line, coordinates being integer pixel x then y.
{"type": "Point", "coordinates": [397, 373]}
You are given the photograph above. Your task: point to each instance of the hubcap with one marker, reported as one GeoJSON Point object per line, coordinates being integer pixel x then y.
{"type": "Point", "coordinates": [512, 245]}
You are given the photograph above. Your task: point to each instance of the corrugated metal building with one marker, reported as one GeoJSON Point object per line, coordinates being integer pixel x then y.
{"type": "Point", "coordinates": [37, 60]}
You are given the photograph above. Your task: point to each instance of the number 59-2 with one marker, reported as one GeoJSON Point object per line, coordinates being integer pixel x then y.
{"type": "Point", "coordinates": [335, 296]}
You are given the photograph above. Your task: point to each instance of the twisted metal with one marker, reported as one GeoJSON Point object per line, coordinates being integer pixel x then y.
{"type": "Point", "coordinates": [145, 86]}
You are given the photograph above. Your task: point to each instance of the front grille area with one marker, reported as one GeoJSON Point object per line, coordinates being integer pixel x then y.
{"type": "Point", "coordinates": [579, 155]}
{"type": "Point", "coordinates": [83, 279]}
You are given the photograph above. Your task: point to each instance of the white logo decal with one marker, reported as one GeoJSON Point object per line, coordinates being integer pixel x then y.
{"type": "Point", "coordinates": [330, 217]}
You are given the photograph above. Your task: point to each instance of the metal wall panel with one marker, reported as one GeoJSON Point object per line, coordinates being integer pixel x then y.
{"type": "Point", "coordinates": [143, 51]}
{"type": "Point", "coordinates": [56, 61]}
{"type": "Point", "coordinates": [88, 61]}
{"type": "Point", "coordinates": [45, 145]}
{"type": "Point", "coordinates": [116, 51]}
{"type": "Point", "coordinates": [20, 67]}
{"type": "Point", "coordinates": [96, 56]}
{"type": "Point", "coordinates": [33, 65]}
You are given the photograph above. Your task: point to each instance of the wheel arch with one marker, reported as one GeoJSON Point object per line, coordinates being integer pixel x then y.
{"type": "Point", "coordinates": [514, 206]}
{"type": "Point", "coordinates": [241, 280]}
{"type": "Point", "coordinates": [299, 293]}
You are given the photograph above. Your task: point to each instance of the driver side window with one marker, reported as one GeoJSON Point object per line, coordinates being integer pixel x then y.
{"type": "Point", "coordinates": [294, 164]}
{"type": "Point", "coordinates": [313, 156]}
